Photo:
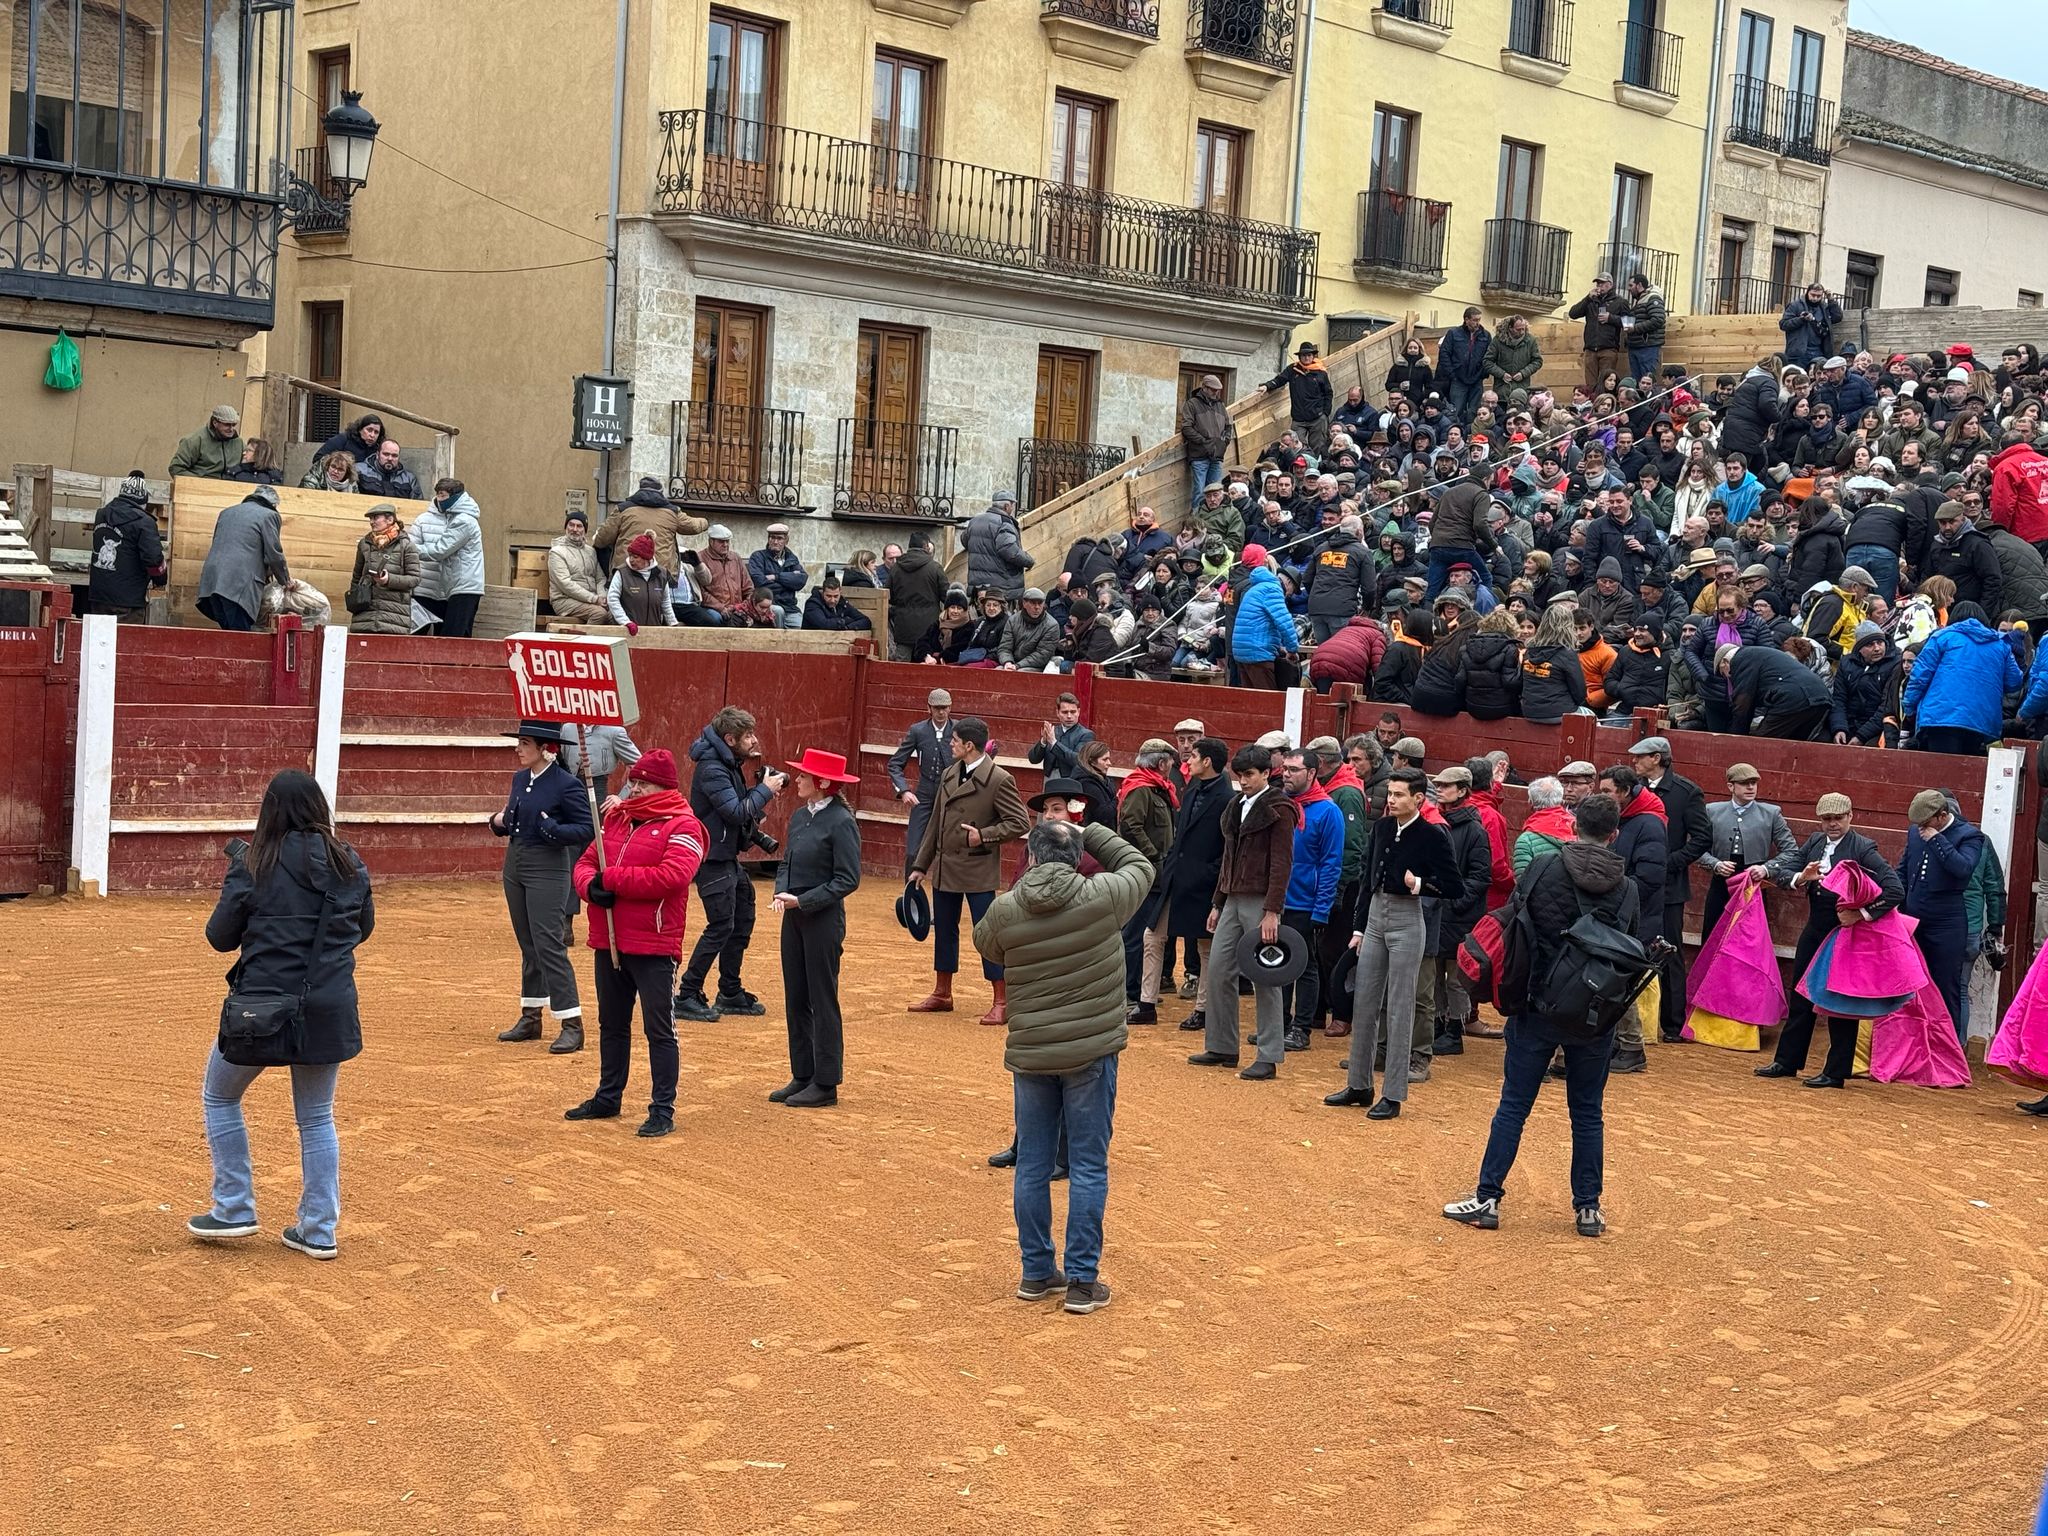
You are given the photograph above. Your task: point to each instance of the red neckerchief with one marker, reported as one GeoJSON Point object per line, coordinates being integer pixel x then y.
{"type": "Point", "coordinates": [1645, 803]}
{"type": "Point", "coordinates": [1345, 777]}
{"type": "Point", "coordinates": [1310, 796]}
{"type": "Point", "coordinates": [1139, 778]}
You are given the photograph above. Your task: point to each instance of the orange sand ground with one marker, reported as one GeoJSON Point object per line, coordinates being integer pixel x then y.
{"type": "Point", "coordinates": [1815, 1312]}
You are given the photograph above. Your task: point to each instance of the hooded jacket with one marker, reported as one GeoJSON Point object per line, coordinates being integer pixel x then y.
{"type": "Point", "coordinates": [1961, 679]}
{"type": "Point", "coordinates": [917, 589]}
{"type": "Point", "coordinates": [1552, 888]}
{"type": "Point", "coordinates": [297, 930]}
{"type": "Point", "coordinates": [1752, 412]}
{"type": "Point", "coordinates": [1263, 629]}
{"type": "Point", "coordinates": [451, 545]}
{"type": "Point", "coordinates": [1860, 691]}
{"type": "Point", "coordinates": [1058, 934]}
{"type": "Point", "coordinates": [1553, 684]}
{"type": "Point", "coordinates": [1490, 676]}
{"type": "Point", "coordinates": [720, 798]}
{"type": "Point", "coordinates": [1543, 833]}
{"type": "Point", "coordinates": [127, 555]}
{"type": "Point", "coordinates": [1351, 654]}
{"type": "Point", "coordinates": [1818, 553]}
{"type": "Point", "coordinates": [1393, 680]}
{"type": "Point", "coordinates": [2019, 492]}
{"type": "Point", "coordinates": [653, 845]}
{"type": "Point", "coordinates": [1206, 431]}
{"type": "Point", "coordinates": [1636, 679]}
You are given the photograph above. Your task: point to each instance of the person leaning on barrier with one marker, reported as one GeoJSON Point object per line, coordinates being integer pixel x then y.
{"type": "Point", "coordinates": [576, 585]}
{"type": "Point", "coordinates": [127, 554]}
{"type": "Point", "coordinates": [214, 451]}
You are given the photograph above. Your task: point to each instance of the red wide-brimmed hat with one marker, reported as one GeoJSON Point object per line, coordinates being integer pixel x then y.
{"type": "Point", "coordinates": [829, 767]}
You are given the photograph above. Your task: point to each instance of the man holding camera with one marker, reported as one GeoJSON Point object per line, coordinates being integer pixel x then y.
{"type": "Point", "coordinates": [730, 810]}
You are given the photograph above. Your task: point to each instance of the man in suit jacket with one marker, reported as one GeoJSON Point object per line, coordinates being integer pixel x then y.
{"type": "Point", "coordinates": [974, 812]}
{"type": "Point", "coordinates": [931, 743]}
{"type": "Point", "coordinates": [1687, 835]}
{"type": "Point", "coordinates": [1802, 870]}
{"type": "Point", "coordinates": [1742, 833]}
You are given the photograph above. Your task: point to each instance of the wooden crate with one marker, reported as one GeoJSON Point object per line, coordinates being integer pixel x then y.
{"type": "Point", "coordinates": [530, 570]}
{"type": "Point", "coordinates": [505, 611]}
{"type": "Point", "coordinates": [872, 601]}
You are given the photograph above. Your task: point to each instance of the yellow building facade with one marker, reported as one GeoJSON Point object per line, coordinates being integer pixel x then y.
{"type": "Point", "coordinates": [1502, 152]}
{"type": "Point", "coordinates": [877, 258]}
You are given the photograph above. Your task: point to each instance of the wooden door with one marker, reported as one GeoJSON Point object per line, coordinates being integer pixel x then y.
{"type": "Point", "coordinates": [889, 367]}
{"type": "Point", "coordinates": [739, 113]}
{"type": "Point", "coordinates": [323, 366]}
{"type": "Point", "coordinates": [722, 438]}
{"type": "Point", "coordinates": [1062, 415]}
{"type": "Point", "coordinates": [1074, 180]}
{"type": "Point", "coordinates": [899, 181]}
{"type": "Point", "coordinates": [1219, 168]}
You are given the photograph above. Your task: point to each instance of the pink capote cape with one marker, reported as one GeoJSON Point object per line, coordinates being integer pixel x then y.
{"type": "Point", "coordinates": [2021, 1046]}
{"type": "Point", "coordinates": [1872, 958]}
{"type": "Point", "coordinates": [1918, 1044]}
{"type": "Point", "coordinates": [1736, 972]}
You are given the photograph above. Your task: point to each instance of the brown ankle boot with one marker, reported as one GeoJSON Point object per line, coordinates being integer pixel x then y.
{"type": "Point", "coordinates": [999, 1010]}
{"type": "Point", "coordinates": [528, 1027]}
{"type": "Point", "coordinates": [941, 999]}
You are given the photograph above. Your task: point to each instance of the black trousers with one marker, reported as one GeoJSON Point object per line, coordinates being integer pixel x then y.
{"type": "Point", "coordinates": [1951, 739]}
{"type": "Point", "coordinates": [456, 616]}
{"type": "Point", "coordinates": [1795, 725]}
{"type": "Point", "coordinates": [728, 897]}
{"type": "Point", "coordinates": [1717, 903]}
{"type": "Point", "coordinates": [648, 978]}
{"type": "Point", "coordinates": [1671, 978]}
{"type": "Point", "coordinates": [1797, 1034]}
{"type": "Point", "coordinates": [1299, 1000]}
{"type": "Point", "coordinates": [811, 946]}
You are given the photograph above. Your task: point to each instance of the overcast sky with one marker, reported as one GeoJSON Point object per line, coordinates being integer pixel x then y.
{"type": "Point", "coordinates": [1999, 37]}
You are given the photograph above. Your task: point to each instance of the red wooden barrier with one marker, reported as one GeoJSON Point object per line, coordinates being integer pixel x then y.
{"type": "Point", "coordinates": [39, 698]}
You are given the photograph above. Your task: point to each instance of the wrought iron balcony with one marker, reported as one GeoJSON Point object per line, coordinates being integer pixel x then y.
{"type": "Point", "coordinates": [1430, 13]}
{"type": "Point", "coordinates": [866, 196]}
{"type": "Point", "coordinates": [1541, 29]}
{"type": "Point", "coordinates": [328, 213]}
{"type": "Point", "coordinates": [1750, 295]}
{"type": "Point", "coordinates": [1048, 468]}
{"type": "Point", "coordinates": [1255, 31]}
{"type": "Point", "coordinates": [1781, 122]}
{"type": "Point", "coordinates": [1625, 260]}
{"type": "Point", "coordinates": [1140, 17]}
{"type": "Point", "coordinates": [1650, 58]}
{"type": "Point", "coordinates": [894, 469]}
{"type": "Point", "coordinates": [90, 237]}
{"type": "Point", "coordinates": [1525, 259]}
{"type": "Point", "coordinates": [745, 455]}
{"type": "Point", "coordinates": [1401, 238]}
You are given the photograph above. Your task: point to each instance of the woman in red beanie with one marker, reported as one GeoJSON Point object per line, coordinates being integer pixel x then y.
{"type": "Point", "coordinates": [653, 844]}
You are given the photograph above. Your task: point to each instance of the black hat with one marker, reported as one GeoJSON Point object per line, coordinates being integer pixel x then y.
{"type": "Point", "coordinates": [1344, 975]}
{"type": "Point", "coordinates": [540, 730]}
{"type": "Point", "coordinates": [1272, 965]}
{"type": "Point", "coordinates": [1056, 789]}
{"type": "Point", "coordinates": [914, 911]}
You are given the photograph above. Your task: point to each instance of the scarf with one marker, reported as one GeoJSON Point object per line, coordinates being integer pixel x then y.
{"type": "Point", "coordinates": [1344, 777]}
{"type": "Point", "coordinates": [383, 538]}
{"type": "Point", "coordinates": [1147, 778]}
{"type": "Point", "coordinates": [1552, 821]}
{"type": "Point", "coordinates": [1645, 803]}
{"type": "Point", "coordinates": [1310, 796]}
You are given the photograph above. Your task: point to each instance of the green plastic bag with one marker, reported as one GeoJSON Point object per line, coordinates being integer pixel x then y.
{"type": "Point", "coordinates": [64, 371]}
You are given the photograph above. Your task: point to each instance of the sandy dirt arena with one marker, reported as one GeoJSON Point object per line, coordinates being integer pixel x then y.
{"type": "Point", "coordinates": [1814, 1312]}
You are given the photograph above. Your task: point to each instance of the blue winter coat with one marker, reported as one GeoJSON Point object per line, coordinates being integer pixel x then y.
{"type": "Point", "coordinates": [1740, 499]}
{"type": "Point", "coordinates": [1318, 859]}
{"type": "Point", "coordinates": [1461, 356]}
{"type": "Point", "coordinates": [1264, 629]}
{"type": "Point", "coordinates": [1961, 679]}
{"type": "Point", "coordinates": [2035, 704]}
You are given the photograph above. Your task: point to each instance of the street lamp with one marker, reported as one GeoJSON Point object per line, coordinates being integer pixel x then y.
{"type": "Point", "coordinates": [322, 208]}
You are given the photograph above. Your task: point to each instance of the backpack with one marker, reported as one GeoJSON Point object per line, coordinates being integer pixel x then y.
{"type": "Point", "coordinates": [1595, 976]}
{"type": "Point", "coordinates": [1494, 956]}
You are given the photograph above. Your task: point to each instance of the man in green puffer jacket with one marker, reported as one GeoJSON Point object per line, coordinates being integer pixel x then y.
{"type": "Point", "coordinates": [1059, 936]}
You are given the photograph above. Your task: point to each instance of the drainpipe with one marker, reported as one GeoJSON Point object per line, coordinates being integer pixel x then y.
{"type": "Point", "coordinates": [1699, 239]}
{"type": "Point", "coordinates": [611, 242]}
{"type": "Point", "coordinates": [1301, 83]}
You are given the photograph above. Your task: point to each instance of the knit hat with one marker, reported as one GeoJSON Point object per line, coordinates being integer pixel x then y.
{"type": "Point", "coordinates": [135, 488]}
{"type": "Point", "coordinates": [1867, 632]}
{"type": "Point", "coordinates": [657, 767]}
{"type": "Point", "coordinates": [575, 515]}
{"type": "Point", "coordinates": [1080, 608]}
{"type": "Point", "coordinates": [1254, 556]}
{"type": "Point", "coordinates": [1609, 567]}
{"type": "Point", "coordinates": [642, 547]}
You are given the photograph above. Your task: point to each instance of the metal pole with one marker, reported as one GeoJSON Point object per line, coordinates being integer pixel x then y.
{"type": "Point", "coordinates": [1699, 238]}
{"type": "Point", "coordinates": [611, 240]}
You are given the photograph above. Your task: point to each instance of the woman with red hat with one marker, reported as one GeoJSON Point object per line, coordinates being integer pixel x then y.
{"type": "Point", "coordinates": [652, 844]}
{"type": "Point", "coordinates": [820, 868]}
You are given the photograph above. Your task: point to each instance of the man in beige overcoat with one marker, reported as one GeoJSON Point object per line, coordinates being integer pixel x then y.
{"type": "Point", "coordinates": [976, 811]}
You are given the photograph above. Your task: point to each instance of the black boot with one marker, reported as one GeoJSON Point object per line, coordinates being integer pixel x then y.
{"type": "Point", "coordinates": [528, 1027]}
{"type": "Point", "coordinates": [569, 1040]}
{"type": "Point", "coordinates": [1450, 1038]}
{"type": "Point", "coordinates": [1007, 1158]}
{"type": "Point", "coordinates": [1196, 1022]}
{"type": "Point", "coordinates": [2035, 1106]}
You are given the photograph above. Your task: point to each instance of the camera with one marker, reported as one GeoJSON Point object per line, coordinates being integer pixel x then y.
{"type": "Point", "coordinates": [235, 847]}
{"type": "Point", "coordinates": [754, 837]}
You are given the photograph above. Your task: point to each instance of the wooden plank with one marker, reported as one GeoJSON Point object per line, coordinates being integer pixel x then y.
{"type": "Point", "coordinates": [505, 611]}
{"type": "Point", "coordinates": [871, 601]}
{"type": "Point", "coordinates": [683, 637]}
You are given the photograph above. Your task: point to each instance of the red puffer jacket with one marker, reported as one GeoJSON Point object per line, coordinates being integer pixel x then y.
{"type": "Point", "coordinates": [652, 847]}
{"type": "Point", "coordinates": [1352, 654]}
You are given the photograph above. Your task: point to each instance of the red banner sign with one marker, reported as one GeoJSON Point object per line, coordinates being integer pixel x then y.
{"type": "Point", "coordinates": [576, 679]}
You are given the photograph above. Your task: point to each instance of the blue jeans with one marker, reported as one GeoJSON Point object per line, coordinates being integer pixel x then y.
{"type": "Point", "coordinates": [1642, 360]}
{"type": "Point", "coordinates": [1530, 1044]}
{"type": "Point", "coordinates": [1461, 400]}
{"type": "Point", "coordinates": [1440, 563]}
{"type": "Point", "coordinates": [1202, 471]}
{"type": "Point", "coordinates": [1087, 1097]}
{"type": "Point", "coordinates": [234, 1185]}
{"type": "Point", "coordinates": [1882, 564]}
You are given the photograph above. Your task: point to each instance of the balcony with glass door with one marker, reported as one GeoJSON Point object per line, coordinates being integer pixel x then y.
{"type": "Point", "coordinates": [1524, 261]}
{"type": "Point", "coordinates": [144, 155]}
{"type": "Point", "coordinates": [1401, 240]}
{"type": "Point", "coordinates": [1539, 40]}
{"type": "Point", "coordinates": [1650, 60]}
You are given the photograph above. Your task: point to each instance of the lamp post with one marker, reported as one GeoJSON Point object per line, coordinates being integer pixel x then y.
{"type": "Point", "coordinates": [351, 134]}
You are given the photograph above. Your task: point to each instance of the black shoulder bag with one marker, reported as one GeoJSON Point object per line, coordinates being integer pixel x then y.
{"type": "Point", "coordinates": [260, 1027]}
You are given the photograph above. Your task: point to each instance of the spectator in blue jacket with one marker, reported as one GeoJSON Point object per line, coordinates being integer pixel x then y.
{"type": "Point", "coordinates": [1956, 693]}
{"type": "Point", "coordinates": [1264, 630]}
{"type": "Point", "coordinates": [1311, 888]}
{"type": "Point", "coordinates": [1846, 390]}
{"type": "Point", "coordinates": [777, 570]}
{"type": "Point", "coordinates": [1461, 366]}
{"type": "Point", "coordinates": [1809, 325]}
{"type": "Point", "coordinates": [1740, 493]}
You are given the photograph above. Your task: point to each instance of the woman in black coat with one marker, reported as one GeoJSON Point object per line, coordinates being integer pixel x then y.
{"type": "Point", "coordinates": [1188, 873]}
{"type": "Point", "coordinates": [1553, 682]}
{"type": "Point", "coordinates": [1092, 774]}
{"type": "Point", "coordinates": [1411, 375]}
{"type": "Point", "coordinates": [1490, 668]}
{"type": "Point", "coordinates": [296, 903]}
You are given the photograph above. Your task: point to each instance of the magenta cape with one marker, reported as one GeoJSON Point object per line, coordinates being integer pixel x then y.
{"type": "Point", "coordinates": [1918, 1045]}
{"type": "Point", "coordinates": [1736, 972]}
{"type": "Point", "coordinates": [1873, 962]}
{"type": "Point", "coordinates": [2021, 1047]}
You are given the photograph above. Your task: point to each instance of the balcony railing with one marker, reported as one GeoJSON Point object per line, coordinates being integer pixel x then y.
{"type": "Point", "coordinates": [1048, 468]}
{"type": "Point", "coordinates": [1542, 29]}
{"type": "Point", "coordinates": [1781, 122]}
{"type": "Point", "coordinates": [330, 215]}
{"type": "Point", "coordinates": [1404, 235]}
{"type": "Point", "coordinates": [1649, 58]}
{"type": "Point", "coordinates": [1431, 13]}
{"type": "Point", "coordinates": [1139, 17]}
{"type": "Point", "coordinates": [789, 178]}
{"type": "Point", "coordinates": [1750, 295]}
{"type": "Point", "coordinates": [1256, 31]}
{"type": "Point", "coordinates": [87, 237]}
{"type": "Point", "coordinates": [1525, 258]}
{"type": "Point", "coordinates": [1625, 260]}
{"type": "Point", "coordinates": [894, 469]}
{"type": "Point", "coordinates": [746, 455]}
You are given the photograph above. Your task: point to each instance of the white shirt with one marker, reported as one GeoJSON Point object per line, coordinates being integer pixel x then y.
{"type": "Point", "coordinates": [1827, 854]}
{"type": "Point", "coordinates": [1245, 804]}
